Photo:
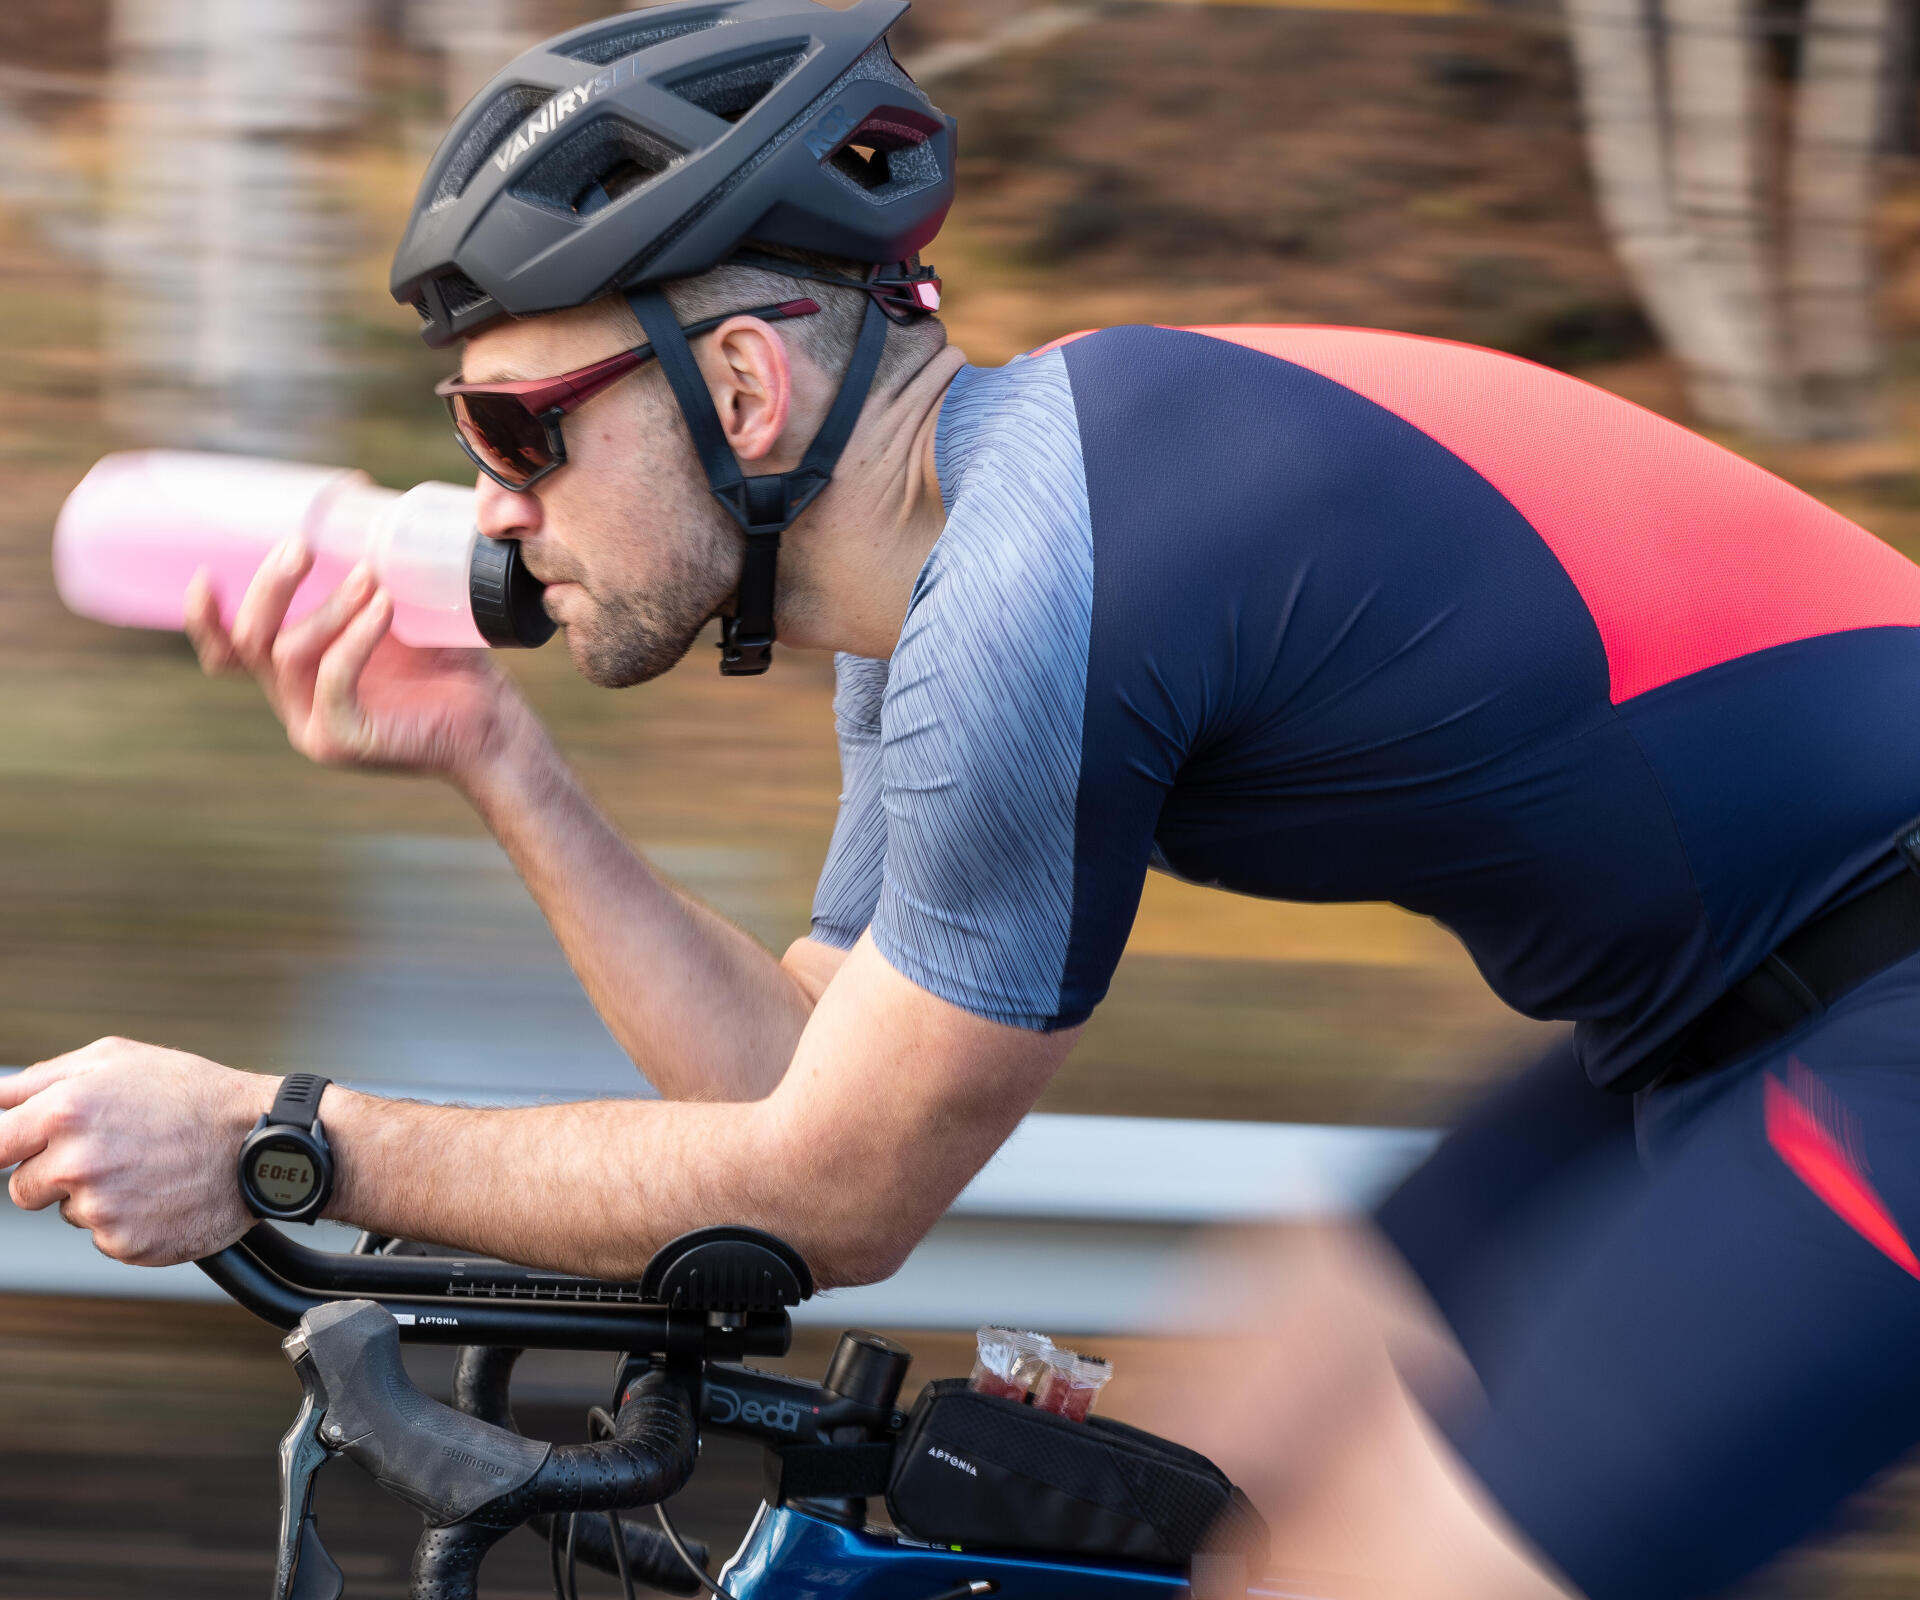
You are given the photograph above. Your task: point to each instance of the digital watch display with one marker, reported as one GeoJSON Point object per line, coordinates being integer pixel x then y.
{"type": "Point", "coordinates": [286, 1166]}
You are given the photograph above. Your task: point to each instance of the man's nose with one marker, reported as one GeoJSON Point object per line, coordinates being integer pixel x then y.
{"type": "Point", "coordinates": [503, 513]}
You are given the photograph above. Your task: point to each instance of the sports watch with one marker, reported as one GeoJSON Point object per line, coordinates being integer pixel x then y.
{"type": "Point", "coordinates": [286, 1166]}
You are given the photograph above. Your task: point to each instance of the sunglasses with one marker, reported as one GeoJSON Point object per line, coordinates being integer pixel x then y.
{"type": "Point", "coordinates": [511, 431]}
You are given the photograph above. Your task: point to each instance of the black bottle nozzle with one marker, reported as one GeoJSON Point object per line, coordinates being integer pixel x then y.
{"type": "Point", "coordinates": [506, 598]}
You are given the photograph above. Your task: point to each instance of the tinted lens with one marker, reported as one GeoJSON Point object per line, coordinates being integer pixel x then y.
{"type": "Point", "coordinates": [503, 433]}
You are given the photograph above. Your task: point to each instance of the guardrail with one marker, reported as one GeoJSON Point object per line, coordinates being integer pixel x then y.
{"type": "Point", "coordinates": [1075, 1224]}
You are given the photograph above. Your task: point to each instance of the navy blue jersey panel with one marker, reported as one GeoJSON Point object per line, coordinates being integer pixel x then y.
{"type": "Point", "coordinates": [1789, 771]}
{"type": "Point", "coordinates": [1329, 661]}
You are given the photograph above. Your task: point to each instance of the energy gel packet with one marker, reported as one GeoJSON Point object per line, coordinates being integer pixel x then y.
{"type": "Point", "coordinates": [1017, 1364]}
{"type": "Point", "coordinates": [1071, 1384]}
{"type": "Point", "coordinates": [1010, 1362]}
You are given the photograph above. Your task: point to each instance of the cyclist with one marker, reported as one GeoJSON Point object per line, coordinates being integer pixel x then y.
{"type": "Point", "coordinates": [1302, 612]}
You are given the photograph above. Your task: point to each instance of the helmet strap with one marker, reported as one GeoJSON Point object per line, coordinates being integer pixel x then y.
{"type": "Point", "coordinates": [765, 506]}
{"type": "Point", "coordinates": [904, 292]}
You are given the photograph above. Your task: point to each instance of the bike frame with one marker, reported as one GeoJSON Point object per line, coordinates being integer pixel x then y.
{"type": "Point", "coordinates": [787, 1552]}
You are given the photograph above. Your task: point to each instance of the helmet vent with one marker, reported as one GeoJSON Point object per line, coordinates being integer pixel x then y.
{"type": "Point", "coordinates": [888, 155]}
{"type": "Point", "coordinates": [503, 113]}
{"type": "Point", "coordinates": [732, 91]}
{"type": "Point", "coordinates": [866, 164]}
{"type": "Point", "coordinates": [632, 38]}
{"type": "Point", "coordinates": [459, 292]}
{"type": "Point", "coordinates": [599, 163]}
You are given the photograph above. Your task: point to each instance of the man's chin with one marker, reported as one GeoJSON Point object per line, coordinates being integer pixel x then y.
{"type": "Point", "coordinates": [590, 663]}
{"type": "Point", "coordinates": [621, 663]}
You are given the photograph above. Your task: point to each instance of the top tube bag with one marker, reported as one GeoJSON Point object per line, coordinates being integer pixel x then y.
{"type": "Point", "coordinates": [977, 1470]}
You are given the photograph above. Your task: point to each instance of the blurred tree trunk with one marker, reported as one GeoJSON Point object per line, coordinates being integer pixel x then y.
{"type": "Point", "coordinates": [1899, 127]}
{"type": "Point", "coordinates": [225, 248]}
{"type": "Point", "coordinates": [475, 38]}
{"type": "Point", "coordinates": [1830, 264]}
{"type": "Point", "coordinates": [1713, 76]}
{"type": "Point", "coordinates": [157, 62]}
{"type": "Point", "coordinates": [1767, 303]}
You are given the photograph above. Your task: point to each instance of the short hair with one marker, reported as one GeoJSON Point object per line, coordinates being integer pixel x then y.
{"type": "Point", "coordinates": [828, 338]}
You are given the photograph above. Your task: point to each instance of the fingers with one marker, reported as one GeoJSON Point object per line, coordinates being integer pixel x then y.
{"type": "Point", "coordinates": [24, 1132]}
{"type": "Point", "coordinates": [336, 687]}
{"type": "Point", "coordinates": [264, 609]}
{"type": "Point", "coordinates": [39, 1182]}
{"type": "Point", "coordinates": [204, 628]}
{"type": "Point", "coordinates": [19, 1087]}
{"type": "Point", "coordinates": [31, 1192]}
{"type": "Point", "coordinates": [298, 649]}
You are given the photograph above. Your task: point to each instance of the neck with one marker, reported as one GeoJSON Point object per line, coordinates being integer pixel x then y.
{"type": "Point", "coordinates": [847, 569]}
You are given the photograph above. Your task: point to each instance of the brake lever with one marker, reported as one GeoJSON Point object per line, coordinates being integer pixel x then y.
{"type": "Point", "coordinates": [304, 1570]}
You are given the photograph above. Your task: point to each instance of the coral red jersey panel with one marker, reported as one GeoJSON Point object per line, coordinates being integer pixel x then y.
{"type": "Point", "coordinates": [1686, 554]}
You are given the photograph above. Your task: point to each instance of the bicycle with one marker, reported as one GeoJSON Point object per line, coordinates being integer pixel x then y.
{"type": "Point", "coordinates": [682, 1334]}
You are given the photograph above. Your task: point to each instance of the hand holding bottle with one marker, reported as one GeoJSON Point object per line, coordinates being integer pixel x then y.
{"type": "Point", "coordinates": [364, 612]}
{"type": "Point", "coordinates": [348, 692]}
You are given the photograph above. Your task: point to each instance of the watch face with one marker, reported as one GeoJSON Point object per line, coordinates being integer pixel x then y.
{"type": "Point", "coordinates": [282, 1176]}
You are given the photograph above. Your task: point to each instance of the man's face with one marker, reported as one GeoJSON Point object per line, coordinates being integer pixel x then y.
{"type": "Point", "coordinates": [634, 552]}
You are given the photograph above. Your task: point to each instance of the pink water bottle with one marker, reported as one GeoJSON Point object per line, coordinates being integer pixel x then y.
{"type": "Point", "coordinates": [137, 528]}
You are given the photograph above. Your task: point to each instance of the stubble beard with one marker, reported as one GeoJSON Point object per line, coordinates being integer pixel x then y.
{"type": "Point", "coordinates": [633, 637]}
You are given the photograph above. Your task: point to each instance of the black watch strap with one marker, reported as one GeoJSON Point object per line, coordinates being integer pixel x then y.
{"type": "Point", "coordinates": [298, 1102]}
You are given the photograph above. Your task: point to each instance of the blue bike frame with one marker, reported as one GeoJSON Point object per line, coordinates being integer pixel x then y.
{"type": "Point", "coordinates": [789, 1555]}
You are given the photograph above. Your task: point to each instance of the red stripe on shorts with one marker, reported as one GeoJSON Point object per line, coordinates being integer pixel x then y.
{"type": "Point", "coordinates": [1817, 1154]}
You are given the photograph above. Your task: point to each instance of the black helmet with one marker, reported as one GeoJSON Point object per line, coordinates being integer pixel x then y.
{"type": "Point", "coordinates": [654, 144]}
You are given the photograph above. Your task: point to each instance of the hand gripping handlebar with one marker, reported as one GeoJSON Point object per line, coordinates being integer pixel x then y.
{"type": "Point", "coordinates": [471, 1481]}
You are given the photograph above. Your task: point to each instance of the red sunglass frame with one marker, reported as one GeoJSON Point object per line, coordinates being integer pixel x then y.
{"type": "Point", "coordinates": [548, 400]}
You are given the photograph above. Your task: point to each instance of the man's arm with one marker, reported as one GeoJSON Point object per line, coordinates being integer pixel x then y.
{"type": "Point", "coordinates": [893, 1101]}
{"type": "Point", "coordinates": [703, 1010]}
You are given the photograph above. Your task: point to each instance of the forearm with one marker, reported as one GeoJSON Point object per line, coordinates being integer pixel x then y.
{"type": "Point", "coordinates": [596, 1188]}
{"type": "Point", "coordinates": [893, 1101]}
{"type": "Point", "coordinates": [703, 1009]}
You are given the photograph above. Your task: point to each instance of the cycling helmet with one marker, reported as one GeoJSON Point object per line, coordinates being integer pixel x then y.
{"type": "Point", "coordinates": [660, 142]}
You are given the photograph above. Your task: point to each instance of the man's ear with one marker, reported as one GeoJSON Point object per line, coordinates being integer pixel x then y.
{"type": "Point", "coordinates": [747, 368]}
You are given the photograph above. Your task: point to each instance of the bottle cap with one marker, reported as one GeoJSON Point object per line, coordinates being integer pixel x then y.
{"type": "Point", "coordinates": [506, 597]}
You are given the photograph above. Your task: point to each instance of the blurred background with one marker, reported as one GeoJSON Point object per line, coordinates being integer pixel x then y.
{"type": "Point", "coordinates": [1711, 206]}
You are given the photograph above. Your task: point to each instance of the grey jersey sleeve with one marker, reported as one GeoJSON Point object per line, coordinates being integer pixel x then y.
{"type": "Point", "coordinates": [849, 886]}
{"type": "Point", "coordinates": [984, 705]}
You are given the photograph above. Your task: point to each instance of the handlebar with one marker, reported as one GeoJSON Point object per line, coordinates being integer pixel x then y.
{"type": "Point", "coordinates": [472, 1481]}
{"type": "Point", "coordinates": [715, 1295]}
{"type": "Point", "coordinates": [482, 1376]}
{"type": "Point", "coordinates": [473, 1300]}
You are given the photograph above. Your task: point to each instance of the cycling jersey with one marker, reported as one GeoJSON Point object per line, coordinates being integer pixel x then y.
{"type": "Point", "coordinates": [1332, 614]}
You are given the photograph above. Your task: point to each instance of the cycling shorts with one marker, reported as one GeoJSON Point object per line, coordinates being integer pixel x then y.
{"type": "Point", "coordinates": [1696, 1318]}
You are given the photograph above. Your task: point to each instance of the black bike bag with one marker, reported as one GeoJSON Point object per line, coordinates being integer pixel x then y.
{"type": "Point", "coordinates": [976, 1470]}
